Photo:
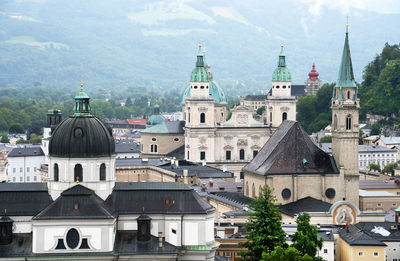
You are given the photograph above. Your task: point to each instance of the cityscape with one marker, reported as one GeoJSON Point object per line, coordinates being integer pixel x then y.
{"type": "Point", "coordinates": [207, 169]}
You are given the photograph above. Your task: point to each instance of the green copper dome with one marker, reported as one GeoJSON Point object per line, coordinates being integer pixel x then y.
{"type": "Point", "coordinates": [215, 91]}
{"type": "Point", "coordinates": [281, 73]}
{"type": "Point", "coordinates": [199, 73]}
{"type": "Point", "coordinates": [156, 118]}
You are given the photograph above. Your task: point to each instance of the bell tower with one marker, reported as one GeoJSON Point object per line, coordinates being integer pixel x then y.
{"type": "Point", "coordinates": [345, 130]}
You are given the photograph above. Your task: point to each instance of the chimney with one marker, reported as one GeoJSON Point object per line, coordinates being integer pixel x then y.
{"type": "Point", "coordinates": [177, 163]}
{"type": "Point", "coordinates": [160, 239]}
{"type": "Point", "coordinates": [185, 176]}
{"type": "Point", "coordinates": [224, 168]}
{"type": "Point", "coordinates": [203, 163]}
{"type": "Point", "coordinates": [211, 182]}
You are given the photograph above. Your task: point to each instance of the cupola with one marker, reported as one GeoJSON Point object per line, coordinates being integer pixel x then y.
{"type": "Point", "coordinates": [313, 74]}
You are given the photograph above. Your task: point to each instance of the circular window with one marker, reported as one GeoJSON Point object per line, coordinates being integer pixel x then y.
{"type": "Point", "coordinates": [153, 139]}
{"type": "Point", "coordinates": [330, 193]}
{"type": "Point", "coordinates": [195, 87]}
{"type": "Point", "coordinates": [176, 139]}
{"type": "Point", "coordinates": [286, 193]}
{"type": "Point", "coordinates": [78, 133]}
{"type": "Point", "coordinates": [72, 238]}
{"type": "Point", "coordinates": [202, 87]}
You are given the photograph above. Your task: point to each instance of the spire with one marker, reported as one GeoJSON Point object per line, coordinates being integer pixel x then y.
{"type": "Point", "coordinates": [346, 76]}
{"type": "Point", "coordinates": [282, 62]}
{"type": "Point", "coordinates": [200, 61]}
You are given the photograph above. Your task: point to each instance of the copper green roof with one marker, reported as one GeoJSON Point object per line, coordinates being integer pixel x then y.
{"type": "Point", "coordinates": [199, 73]}
{"type": "Point", "coordinates": [281, 73]}
{"type": "Point", "coordinates": [346, 75]}
{"type": "Point", "coordinates": [155, 119]}
{"type": "Point", "coordinates": [82, 106]}
{"type": "Point", "coordinates": [215, 91]}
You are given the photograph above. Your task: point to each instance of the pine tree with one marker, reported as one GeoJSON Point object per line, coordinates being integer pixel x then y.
{"type": "Point", "coordinates": [264, 229]}
{"type": "Point", "coordinates": [306, 237]}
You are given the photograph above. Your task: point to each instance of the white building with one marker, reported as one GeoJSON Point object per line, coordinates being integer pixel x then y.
{"type": "Point", "coordinates": [24, 163]}
{"type": "Point", "coordinates": [368, 154]}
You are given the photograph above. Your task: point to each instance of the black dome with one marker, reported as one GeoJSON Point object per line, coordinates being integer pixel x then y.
{"type": "Point", "coordinates": [77, 137]}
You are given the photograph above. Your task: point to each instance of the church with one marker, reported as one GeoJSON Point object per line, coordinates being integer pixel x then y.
{"type": "Point", "coordinates": [296, 168]}
{"type": "Point", "coordinates": [83, 213]}
{"type": "Point", "coordinates": [213, 138]}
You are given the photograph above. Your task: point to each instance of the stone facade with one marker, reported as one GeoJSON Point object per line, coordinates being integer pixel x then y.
{"type": "Point", "coordinates": [155, 145]}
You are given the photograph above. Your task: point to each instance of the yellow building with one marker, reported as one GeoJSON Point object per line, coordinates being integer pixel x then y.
{"type": "Point", "coordinates": [355, 244]}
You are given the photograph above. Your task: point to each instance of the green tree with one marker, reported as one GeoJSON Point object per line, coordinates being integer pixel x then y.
{"type": "Point", "coordinates": [260, 110]}
{"type": "Point", "coordinates": [373, 166]}
{"type": "Point", "coordinates": [326, 139]}
{"type": "Point", "coordinates": [264, 230]}
{"type": "Point", "coordinates": [376, 129]}
{"type": "Point", "coordinates": [306, 237]}
{"type": "Point", "coordinates": [289, 254]}
{"type": "Point", "coordinates": [16, 128]}
{"type": "Point", "coordinates": [22, 141]}
{"type": "Point", "coordinates": [35, 139]}
{"type": "Point", "coordinates": [128, 102]}
{"type": "Point", "coordinates": [389, 168]}
{"type": "Point", "coordinates": [4, 139]}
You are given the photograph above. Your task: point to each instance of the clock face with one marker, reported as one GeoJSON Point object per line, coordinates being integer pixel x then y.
{"type": "Point", "coordinates": [344, 214]}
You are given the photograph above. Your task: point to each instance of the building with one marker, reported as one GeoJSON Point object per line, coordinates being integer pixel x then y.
{"type": "Point", "coordinates": [280, 105]}
{"type": "Point", "coordinates": [388, 142]}
{"type": "Point", "coordinates": [24, 163]}
{"type": "Point", "coordinates": [378, 200]}
{"type": "Point", "coordinates": [313, 83]}
{"type": "Point", "coordinates": [83, 213]}
{"type": "Point", "coordinates": [368, 154]}
{"type": "Point", "coordinates": [127, 149]}
{"type": "Point", "coordinates": [13, 138]}
{"type": "Point", "coordinates": [391, 186]}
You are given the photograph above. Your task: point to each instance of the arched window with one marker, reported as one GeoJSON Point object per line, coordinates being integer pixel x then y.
{"type": "Point", "coordinates": [247, 188]}
{"type": "Point", "coordinates": [151, 148]}
{"type": "Point", "coordinates": [155, 147]}
{"type": "Point", "coordinates": [253, 191]}
{"type": "Point", "coordinates": [241, 154]}
{"type": "Point", "coordinates": [259, 190]}
{"type": "Point", "coordinates": [202, 117]}
{"type": "Point", "coordinates": [78, 176]}
{"type": "Point", "coordinates": [56, 175]}
{"type": "Point", "coordinates": [270, 117]}
{"type": "Point", "coordinates": [103, 171]}
{"type": "Point", "coordinates": [335, 122]}
{"type": "Point", "coordinates": [348, 95]}
{"type": "Point", "coordinates": [348, 122]}
{"type": "Point", "coordinates": [189, 116]}
{"type": "Point", "coordinates": [284, 116]}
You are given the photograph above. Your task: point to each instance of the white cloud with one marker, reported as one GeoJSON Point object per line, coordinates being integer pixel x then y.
{"type": "Point", "coordinates": [229, 13]}
{"type": "Point", "coordinates": [174, 32]}
{"type": "Point", "coordinates": [158, 12]}
{"type": "Point", "coordinates": [315, 7]}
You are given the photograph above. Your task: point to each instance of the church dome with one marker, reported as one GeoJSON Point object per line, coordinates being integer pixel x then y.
{"type": "Point", "coordinates": [156, 118]}
{"type": "Point", "coordinates": [281, 73]}
{"type": "Point", "coordinates": [215, 91]}
{"type": "Point", "coordinates": [313, 74]}
{"type": "Point", "coordinates": [82, 134]}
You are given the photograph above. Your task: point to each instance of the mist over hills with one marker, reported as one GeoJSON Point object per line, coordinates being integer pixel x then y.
{"type": "Point", "coordinates": [115, 44]}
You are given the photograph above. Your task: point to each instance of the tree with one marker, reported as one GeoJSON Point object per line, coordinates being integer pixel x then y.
{"type": "Point", "coordinates": [264, 230]}
{"type": "Point", "coordinates": [35, 139]}
{"type": "Point", "coordinates": [128, 102]}
{"type": "Point", "coordinates": [326, 139]}
{"type": "Point", "coordinates": [16, 128]}
{"type": "Point", "coordinates": [289, 254]}
{"type": "Point", "coordinates": [4, 139]}
{"type": "Point", "coordinates": [306, 237]}
{"type": "Point", "coordinates": [21, 141]}
{"type": "Point", "coordinates": [373, 166]}
{"type": "Point", "coordinates": [389, 168]}
{"type": "Point", "coordinates": [376, 129]}
{"type": "Point", "coordinates": [260, 110]}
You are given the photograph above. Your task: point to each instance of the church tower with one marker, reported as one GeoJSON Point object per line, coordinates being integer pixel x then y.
{"type": "Point", "coordinates": [345, 130]}
{"type": "Point", "coordinates": [280, 104]}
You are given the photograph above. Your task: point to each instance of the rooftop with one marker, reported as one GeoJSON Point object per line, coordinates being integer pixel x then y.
{"type": "Point", "coordinates": [26, 151]}
{"type": "Point", "coordinates": [307, 204]}
{"type": "Point", "coordinates": [126, 146]}
{"type": "Point", "coordinates": [327, 147]}
{"type": "Point", "coordinates": [354, 236]}
{"type": "Point", "coordinates": [379, 184]}
{"type": "Point", "coordinates": [365, 193]}
{"type": "Point", "coordinates": [166, 127]}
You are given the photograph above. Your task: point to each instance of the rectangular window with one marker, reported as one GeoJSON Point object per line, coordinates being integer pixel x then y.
{"type": "Point", "coordinates": [34, 169]}
{"type": "Point", "coordinates": [188, 155]}
{"type": "Point", "coordinates": [34, 178]}
{"type": "Point", "coordinates": [173, 231]}
{"type": "Point", "coordinates": [360, 253]}
{"type": "Point", "coordinates": [20, 179]}
{"type": "Point", "coordinates": [325, 251]}
{"type": "Point", "coordinates": [13, 179]}
{"type": "Point", "coordinates": [379, 204]}
{"type": "Point", "coordinates": [228, 254]}
{"type": "Point", "coordinates": [14, 170]}
{"type": "Point", "coordinates": [28, 178]}
{"type": "Point", "coordinates": [255, 152]}
{"type": "Point", "coordinates": [20, 169]}
{"type": "Point", "coordinates": [202, 155]}
{"type": "Point", "coordinates": [241, 175]}
{"type": "Point", "coordinates": [228, 155]}
{"type": "Point", "coordinates": [376, 253]}
{"type": "Point", "coordinates": [27, 169]}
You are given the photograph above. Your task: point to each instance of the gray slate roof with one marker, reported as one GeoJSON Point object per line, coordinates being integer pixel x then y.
{"type": "Point", "coordinates": [24, 199]}
{"type": "Point", "coordinates": [379, 184]}
{"type": "Point", "coordinates": [357, 237]}
{"type": "Point", "coordinates": [140, 162]}
{"type": "Point", "coordinates": [367, 227]}
{"type": "Point", "coordinates": [298, 90]}
{"type": "Point", "coordinates": [26, 152]}
{"type": "Point", "coordinates": [307, 204]}
{"type": "Point", "coordinates": [286, 151]}
{"type": "Point", "coordinates": [156, 198]}
{"type": "Point", "coordinates": [127, 146]}
{"type": "Point", "coordinates": [196, 170]}
{"type": "Point", "coordinates": [77, 202]}
{"type": "Point", "coordinates": [327, 147]}
{"type": "Point", "coordinates": [260, 97]}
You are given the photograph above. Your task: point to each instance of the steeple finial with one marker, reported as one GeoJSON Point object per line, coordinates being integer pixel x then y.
{"type": "Point", "coordinates": [77, 180]}
{"type": "Point", "coordinates": [81, 84]}
{"type": "Point", "coordinates": [199, 44]}
{"type": "Point", "coordinates": [347, 24]}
